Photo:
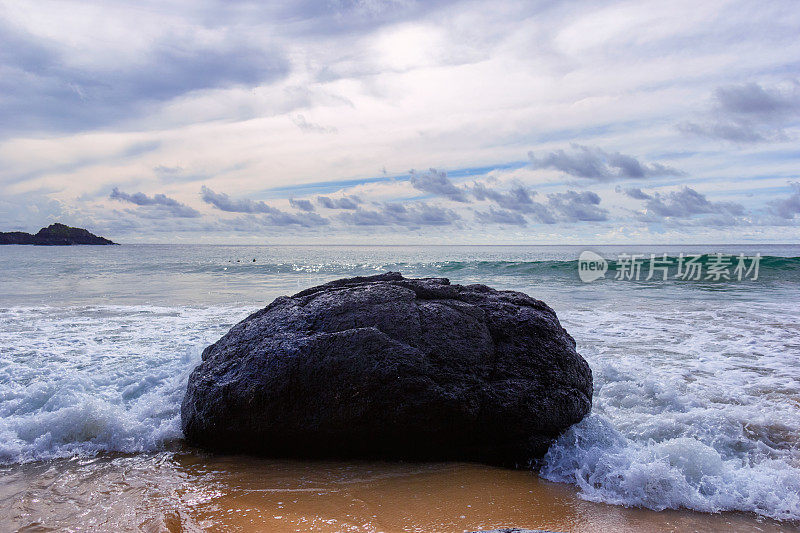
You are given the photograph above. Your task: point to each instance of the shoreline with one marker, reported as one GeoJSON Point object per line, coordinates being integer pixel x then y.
{"type": "Point", "coordinates": [695, 394]}
{"type": "Point", "coordinates": [187, 491]}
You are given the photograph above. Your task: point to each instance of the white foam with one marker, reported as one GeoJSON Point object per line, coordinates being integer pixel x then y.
{"type": "Point", "coordinates": [695, 407]}
{"type": "Point", "coordinates": [78, 381]}
{"type": "Point", "coordinates": [674, 473]}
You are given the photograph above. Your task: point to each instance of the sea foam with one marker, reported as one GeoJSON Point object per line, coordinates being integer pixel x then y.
{"type": "Point", "coordinates": [77, 381]}
{"type": "Point", "coordinates": [695, 403]}
{"type": "Point", "coordinates": [694, 407]}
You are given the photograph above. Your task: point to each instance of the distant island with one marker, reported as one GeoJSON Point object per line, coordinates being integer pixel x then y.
{"type": "Point", "coordinates": [53, 235]}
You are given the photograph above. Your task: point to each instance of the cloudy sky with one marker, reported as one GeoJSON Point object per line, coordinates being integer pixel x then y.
{"type": "Point", "coordinates": [400, 121]}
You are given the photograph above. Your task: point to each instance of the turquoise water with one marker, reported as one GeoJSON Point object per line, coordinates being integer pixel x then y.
{"type": "Point", "coordinates": [697, 383]}
{"type": "Point", "coordinates": [201, 275]}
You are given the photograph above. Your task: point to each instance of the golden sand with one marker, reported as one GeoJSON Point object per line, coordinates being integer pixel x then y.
{"type": "Point", "coordinates": [187, 492]}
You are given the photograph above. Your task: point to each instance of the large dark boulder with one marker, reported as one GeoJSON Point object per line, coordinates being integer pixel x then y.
{"type": "Point", "coordinates": [388, 367]}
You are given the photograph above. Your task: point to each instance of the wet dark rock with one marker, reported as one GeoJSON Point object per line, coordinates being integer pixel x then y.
{"type": "Point", "coordinates": [53, 235]}
{"type": "Point", "coordinates": [392, 368]}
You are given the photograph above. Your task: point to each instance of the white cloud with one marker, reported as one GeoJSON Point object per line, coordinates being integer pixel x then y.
{"type": "Point", "coordinates": [446, 85]}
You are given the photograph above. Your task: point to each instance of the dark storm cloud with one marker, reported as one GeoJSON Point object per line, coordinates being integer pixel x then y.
{"type": "Point", "coordinates": [436, 182]}
{"type": "Point", "coordinates": [21, 50]}
{"type": "Point", "coordinates": [542, 213]}
{"type": "Point", "coordinates": [634, 192]}
{"type": "Point", "coordinates": [163, 205]}
{"type": "Point", "coordinates": [41, 91]}
{"type": "Point", "coordinates": [788, 208]}
{"type": "Point", "coordinates": [345, 202]}
{"type": "Point", "coordinates": [216, 46]}
{"type": "Point", "coordinates": [500, 216]}
{"type": "Point", "coordinates": [223, 202]}
{"type": "Point", "coordinates": [302, 205]}
{"type": "Point", "coordinates": [569, 206]}
{"type": "Point", "coordinates": [517, 199]}
{"type": "Point", "coordinates": [272, 216]}
{"type": "Point", "coordinates": [306, 220]}
{"type": "Point", "coordinates": [749, 113]}
{"type": "Point", "coordinates": [575, 206]}
{"type": "Point", "coordinates": [685, 204]}
{"type": "Point", "coordinates": [597, 164]}
{"type": "Point", "coordinates": [679, 207]}
{"type": "Point", "coordinates": [752, 99]}
{"type": "Point", "coordinates": [412, 215]}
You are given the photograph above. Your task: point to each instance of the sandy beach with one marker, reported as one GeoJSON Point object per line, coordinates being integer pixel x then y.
{"type": "Point", "coordinates": [190, 492]}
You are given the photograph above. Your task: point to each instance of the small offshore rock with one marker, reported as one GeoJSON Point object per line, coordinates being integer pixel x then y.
{"type": "Point", "coordinates": [54, 235]}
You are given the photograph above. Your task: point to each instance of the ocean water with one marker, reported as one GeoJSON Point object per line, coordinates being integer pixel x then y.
{"type": "Point", "coordinates": [697, 382]}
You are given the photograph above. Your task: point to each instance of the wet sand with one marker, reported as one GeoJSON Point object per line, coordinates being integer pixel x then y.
{"type": "Point", "coordinates": [189, 492]}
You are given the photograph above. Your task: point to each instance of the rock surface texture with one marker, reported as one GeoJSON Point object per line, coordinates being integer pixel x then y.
{"type": "Point", "coordinates": [393, 368]}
